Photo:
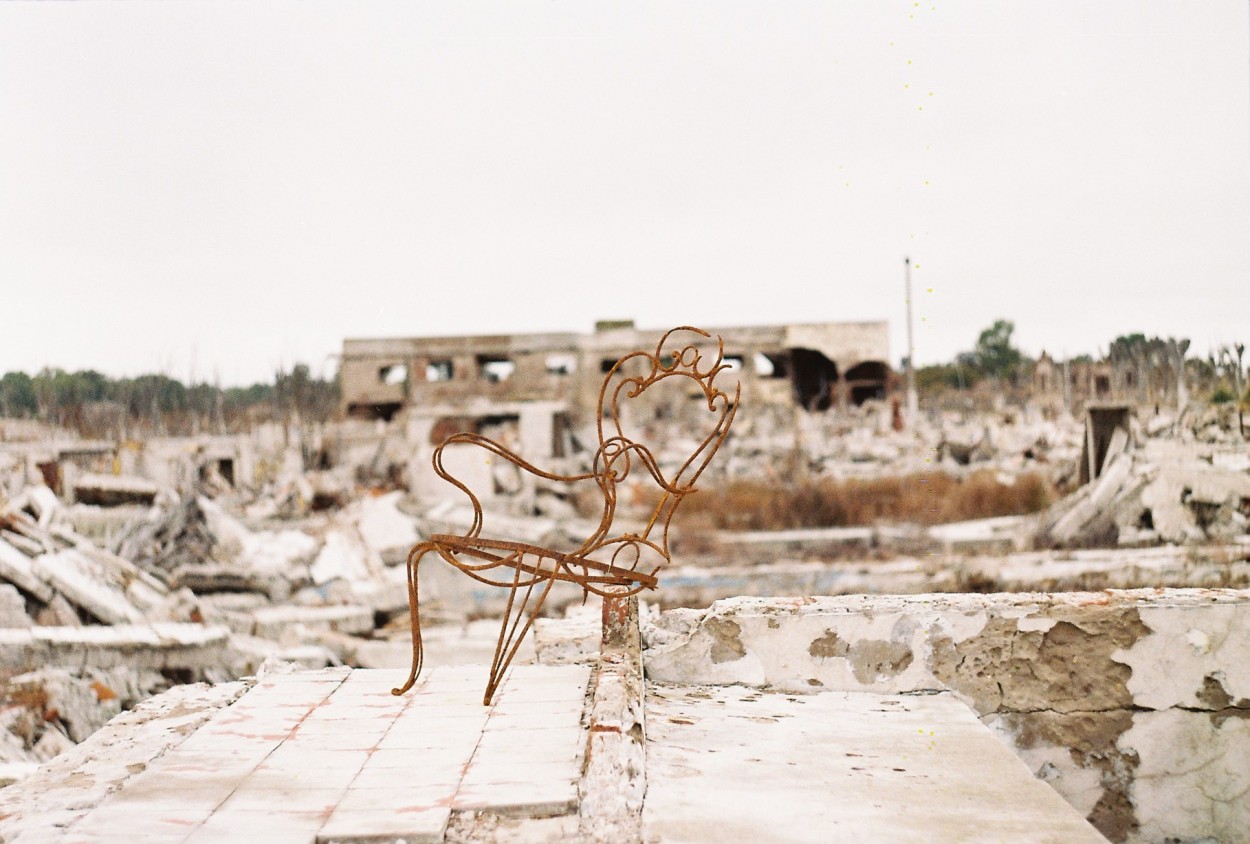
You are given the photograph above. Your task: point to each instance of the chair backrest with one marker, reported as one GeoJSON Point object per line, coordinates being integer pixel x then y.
{"type": "Point", "coordinates": [619, 454]}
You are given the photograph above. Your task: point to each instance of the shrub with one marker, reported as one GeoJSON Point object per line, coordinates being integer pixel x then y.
{"type": "Point", "coordinates": [927, 498]}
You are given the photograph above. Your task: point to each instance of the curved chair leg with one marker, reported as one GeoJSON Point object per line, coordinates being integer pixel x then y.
{"type": "Point", "coordinates": [414, 559]}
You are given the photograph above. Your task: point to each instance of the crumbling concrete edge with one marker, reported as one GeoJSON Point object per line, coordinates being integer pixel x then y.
{"type": "Point", "coordinates": [614, 779]}
{"type": "Point", "coordinates": [45, 805]}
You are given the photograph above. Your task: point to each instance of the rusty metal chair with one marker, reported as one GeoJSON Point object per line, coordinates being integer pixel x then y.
{"type": "Point", "coordinates": [612, 565]}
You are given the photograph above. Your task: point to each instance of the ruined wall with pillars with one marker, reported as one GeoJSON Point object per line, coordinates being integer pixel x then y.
{"type": "Point", "coordinates": [1134, 705]}
{"type": "Point", "coordinates": [365, 362]}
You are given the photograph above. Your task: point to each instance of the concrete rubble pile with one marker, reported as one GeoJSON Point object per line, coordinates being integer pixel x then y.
{"type": "Point", "coordinates": [865, 442]}
{"type": "Point", "coordinates": [49, 710]}
{"type": "Point", "coordinates": [197, 544]}
{"type": "Point", "coordinates": [71, 615]}
{"type": "Point", "coordinates": [68, 580]}
{"type": "Point", "coordinates": [187, 592]}
{"type": "Point", "coordinates": [1156, 490]}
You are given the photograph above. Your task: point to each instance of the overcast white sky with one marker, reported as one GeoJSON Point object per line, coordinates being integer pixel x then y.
{"type": "Point", "coordinates": [219, 189]}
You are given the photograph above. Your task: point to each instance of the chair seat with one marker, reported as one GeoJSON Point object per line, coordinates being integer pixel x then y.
{"type": "Point", "coordinates": [562, 565]}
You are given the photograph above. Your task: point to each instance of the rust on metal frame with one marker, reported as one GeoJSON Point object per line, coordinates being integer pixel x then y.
{"type": "Point", "coordinates": [530, 571]}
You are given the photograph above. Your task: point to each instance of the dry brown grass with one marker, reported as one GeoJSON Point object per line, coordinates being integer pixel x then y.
{"type": "Point", "coordinates": [928, 498]}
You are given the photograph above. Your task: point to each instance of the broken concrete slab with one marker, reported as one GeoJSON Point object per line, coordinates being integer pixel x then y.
{"type": "Point", "coordinates": [39, 501]}
{"type": "Point", "coordinates": [1164, 492]}
{"type": "Point", "coordinates": [87, 585]}
{"type": "Point", "coordinates": [113, 490]}
{"type": "Point", "coordinates": [192, 648]}
{"type": "Point", "coordinates": [344, 556]}
{"type": "Point", "coordinates": [385, 529]}
{"type": "Point", "coordinates": [16, 568]}
{"type": "Point", "coordinates": [271, 622]}
{"type": "Point", "coordinates": [229, 578]}
{"type": "Point", "coordinates": [1184, 502]}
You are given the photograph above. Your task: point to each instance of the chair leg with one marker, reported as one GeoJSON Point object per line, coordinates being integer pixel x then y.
{"type": "Point", "coordinates": [510, 640]}
{"type": "Point", "coordinates": [414, 559]}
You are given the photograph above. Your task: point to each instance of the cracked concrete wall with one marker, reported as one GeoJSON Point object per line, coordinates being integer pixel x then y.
{"type": "Point", "coordinates": [1134, 705]}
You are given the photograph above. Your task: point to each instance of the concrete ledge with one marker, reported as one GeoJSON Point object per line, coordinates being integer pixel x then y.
{"type": "Point", "coordinates": [1097, 692]}
{"type": "Point", "coordinates": [270, 622]}
{"type": "Point", "coordinates": [1036, 571]}
{"type": "Point", "coordinates": [157, 646]}
{"type": "Point", "coordinates": [43, 806]}
{"type": "Point", "coordinates": [614, 780]}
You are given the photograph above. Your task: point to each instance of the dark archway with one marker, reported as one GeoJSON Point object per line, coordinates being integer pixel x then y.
{"type": "Point", "coordinates": [866, 381]}
{"type": "Point", "coordinates": [813, 377]}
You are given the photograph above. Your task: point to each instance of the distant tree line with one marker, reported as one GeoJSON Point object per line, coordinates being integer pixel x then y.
{"type": "Point", "coordinates": [995, 359]}
{"type": "Point", "coordinates": [97, 405]}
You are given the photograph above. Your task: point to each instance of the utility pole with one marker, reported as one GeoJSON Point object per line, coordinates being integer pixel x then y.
{"type": "Point", "coordinates": [913, 405]}
{"type": "Point", "coordinates": [1240, 348]}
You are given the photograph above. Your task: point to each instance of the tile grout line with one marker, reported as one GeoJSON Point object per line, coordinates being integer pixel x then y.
{"type": "Point", "coordinates": [464, 770]}
{"type": "Point", "coordinates": [272, 750]}
{"type": "Point", "coordinates": [409, 704]}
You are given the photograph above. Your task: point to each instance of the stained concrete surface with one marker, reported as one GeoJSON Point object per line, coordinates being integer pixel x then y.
{"type": "Point", "coordinates": [328, 756]}
{"type": "Point", "coordinates": [1133, 705]}
{"type": "Point", "coordinates": [734, 764]}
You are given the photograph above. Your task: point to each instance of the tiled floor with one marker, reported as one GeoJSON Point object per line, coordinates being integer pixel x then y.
{"type": "Point", "coordinates": [334, 756]}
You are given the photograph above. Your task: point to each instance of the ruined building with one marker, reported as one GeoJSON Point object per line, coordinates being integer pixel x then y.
{"type": "Point", "coordinates": [815, 366]}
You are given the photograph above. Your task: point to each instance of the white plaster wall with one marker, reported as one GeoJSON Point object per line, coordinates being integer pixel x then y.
{"type": "Point", "coordinates": [1193, 781]}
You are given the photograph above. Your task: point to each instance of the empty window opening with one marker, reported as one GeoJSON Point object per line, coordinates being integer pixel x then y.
{"type": "Point", "coordinates": [438, 370]}
{"type": "Point", "coordinates": [495, 369]}
{"type": "Point", "coordinates": [506, 421]}
{"type": "Point", "coordinates": [382, 410]}
{"type": "Point", "coordinates": [1102, 385]}
{"type": "Point", "coordinates": [866, 381]}
{"type": "Point", "coordinates": [220, 469]}
{"type": "Point", "coordinates": [814, 377]}
{"type": "Point", "coordinates": [770, 366]}
{"type": "Point", "coordinates": [561, 435]}
{"type": "Point", "coordinates": [393, 374]}
{"type": "Point", "coordinates": [733, 363]}
{"type": "Point", "coordinates": [561, 364]}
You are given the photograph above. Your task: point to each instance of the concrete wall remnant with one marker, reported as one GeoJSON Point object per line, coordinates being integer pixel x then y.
{"type": "Point", "coordinates": [1134, 705]}
{"type": "Point", "coordinates": [785, 365]}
